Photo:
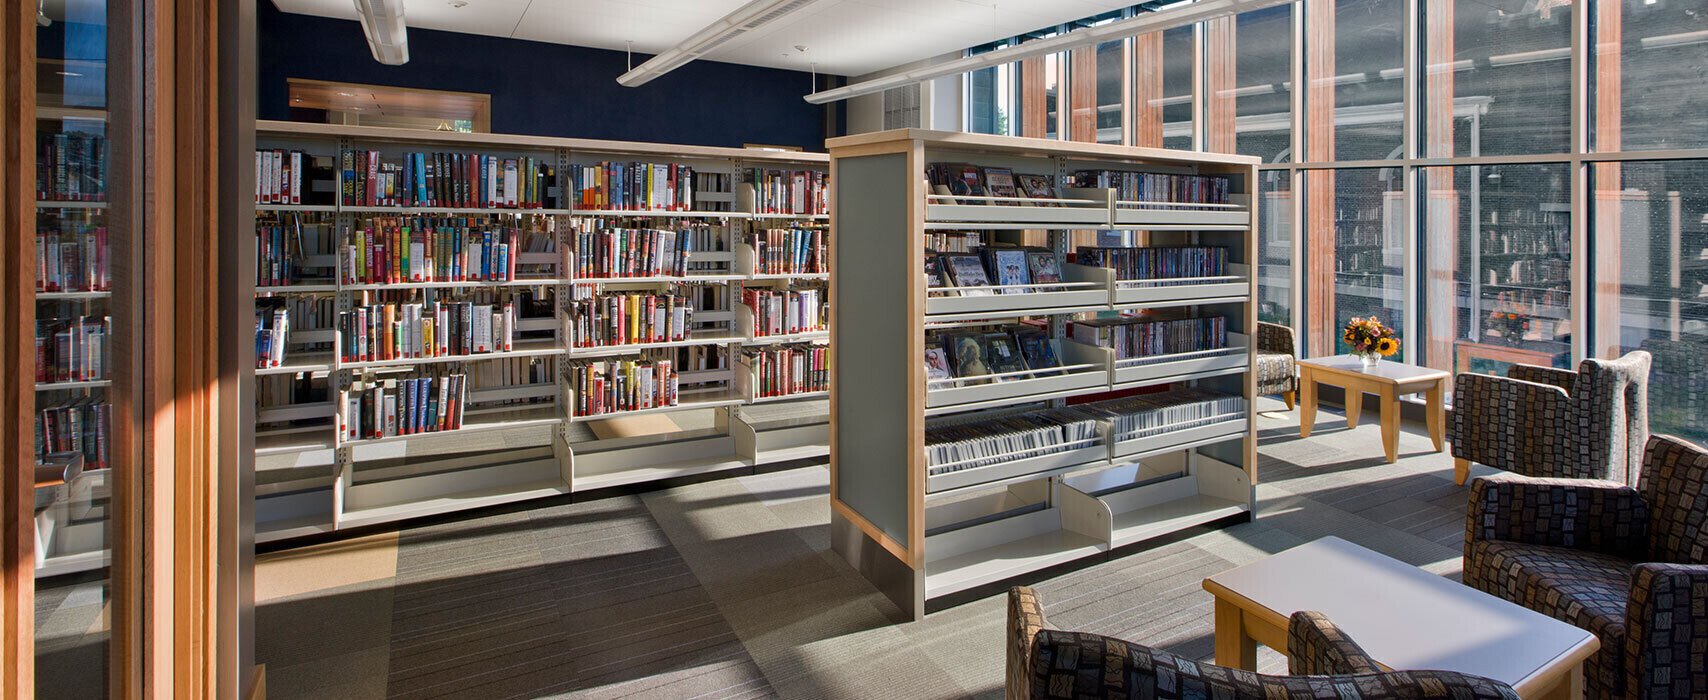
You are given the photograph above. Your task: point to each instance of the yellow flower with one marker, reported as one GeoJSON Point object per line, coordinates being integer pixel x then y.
{"type": "Point", "coordinates": [1387, 346]}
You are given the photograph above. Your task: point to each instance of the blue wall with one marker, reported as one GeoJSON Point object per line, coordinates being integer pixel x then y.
{"type": "Point", "coordinates": [544, 89]}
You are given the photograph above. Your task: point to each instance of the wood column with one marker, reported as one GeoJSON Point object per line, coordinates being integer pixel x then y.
{"type": "Point", "coordinates": [1146, 102]}
{"type": "Point", "coordinates": [17, 356]}
{"type": "Point", "coordinates": [1321, 323]}
{"type": "Point", "coordinates": [1441, 235]}
{"type": "Point", "coordinates": [1082, 93]}
{"type": "Point", "coordinates": [1032, 107]}
{"type": "Point", "coordinates": [1606, 232]}
{"type": "Point", "coordinates": [1221, 59]}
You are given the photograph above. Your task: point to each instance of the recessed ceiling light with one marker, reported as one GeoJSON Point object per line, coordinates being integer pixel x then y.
{"type": "Point", "coordinates": [458, 3]}
{"type": "Point", "coordinates": [346, 94]}
{"type": "Point", "coordinates": [356, 108]}
{"type": "Point", "coordinates": [69, 74]}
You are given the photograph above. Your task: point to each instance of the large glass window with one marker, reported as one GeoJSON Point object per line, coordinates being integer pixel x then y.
{"type": "Point", "coordinates": [1361, 73]}
{"type": "Point", "coordinates": [1263, 83]}
{"type": "Point", "coordinates": [990, 96]}
{"type": "Point", "coordinates": [1650, 65]}
{"type": "Point", "coordinates": [1110, 97]}
{"type": "Point", "coordinates": [1507, 68]}
{"type": "Point", "coordinates": [1179, 46]}
{"type": "Point", "coordinates": [1356, 260]}
{"type": "Point", "coordinates": [1650, 229]}
{"type": "Point", "coordinates": [1275, 246]}
{"type": "Point", "coordinates": [1497, 271]}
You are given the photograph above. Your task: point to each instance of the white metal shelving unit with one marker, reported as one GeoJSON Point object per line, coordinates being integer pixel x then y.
{"type": "Point", "coordinates": [924, 537]}
{"type": "Point", "coordinates": [310, 481]}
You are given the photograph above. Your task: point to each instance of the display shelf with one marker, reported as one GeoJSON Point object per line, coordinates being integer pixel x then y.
{"type": "Point", "coordinates": [527, 349]}
{"type": "Point", "coordinates": [71, 386]}
{"type": "Point", "coordinates": [72, 296]}
{"type": "Point", "coordinates": [1082, 288]}
{"type": "Point", "coordinates": [56, 204]}
{"type": "Point", "coordinates": [807, 337]}
{"type": "Point", "coordinates": [922, 536]}
{"type": "Point", "coordinates": [494, 458]}
{"type": "Point", "coordinates": [1084, 370]}
{"type": "Point", "coordinates": [693, 339]}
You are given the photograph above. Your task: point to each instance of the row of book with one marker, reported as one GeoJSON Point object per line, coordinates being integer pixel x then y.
{"type": "Point", "coordinates": [442, 179]}
{"type": "Point", "coordinates": [790, 251]}
{"type": "Point", "coordinates": [1157, 263]}
{"type": "Point", "coordinates": [954, 241]}
{"type": "Point", "coordinates": [81, 425]}
{"type": "Point", "coordinates": [283, 247]}
{"type": "Point", "coordinates": [394, 331]}
{"type": "Point", "coordinates": [1137, 336]}
{"type": "Point", "coordinates": [272, 333]}
{"type": "Point", "coordinates": [786, 311]}
{"type": "Point", "coordinates": [71, 166]}
{"type": "Point", "coordinates": [786, 370]}
{"type": "Point", "coordinates": [967, 442]}
{"type": "Point", "coordinates": [1167, 188]}
{"type": "Point", "coordinates": [970, 441]}
{"type": "Point", "coordinates": [1152, 414]}
{"type": "Point", "coordinates": [73, 349]}
{"type": "Point", "coordinates": [308, 312]}
{"type": "Point", "coordinates": [965, 183]}
{"type": "Point", "coordinates": [1009, 270]}
{"type": "Point", "coordinates": [790, 191]}
{"type": "Point", "coordinates": [376, 408]}
{"type": "Point", "coordinates": [278, 176]}
{"type": "Point", "coordinates": [633, 186]}
{"type": "Point", "coordinates": [1022, 352]}
{"type": "Point", "coordinates": [393, 250]}
{"type": "Point", "coordinates": [73, 259]}
{"type": "Point", "coordinates": [630, 384]}
{"type": "Point", "coordinates": [628, 318]}
{"type": "Point", "coordinates": [609, 253]}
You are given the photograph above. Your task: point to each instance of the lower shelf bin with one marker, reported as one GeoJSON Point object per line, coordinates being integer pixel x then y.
{"type": "Point", "coordinates": [1177, 439]}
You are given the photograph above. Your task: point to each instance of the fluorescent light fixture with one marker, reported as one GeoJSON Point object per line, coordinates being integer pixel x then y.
{"type": "Point", "coordinates": [1167, 18]}
{"type": "Point", "coordinates": [382, 23]}
{"type": "Point", "coordinates": [743, 20]}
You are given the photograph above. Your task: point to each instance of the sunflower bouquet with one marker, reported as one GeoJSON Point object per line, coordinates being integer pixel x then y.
{"type": "Point", "coordinates": [1370, 339]}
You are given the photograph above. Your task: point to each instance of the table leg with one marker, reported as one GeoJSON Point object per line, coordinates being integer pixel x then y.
{"type": "Point", "coordinates": [1570, 686]}
{"type": "Point", "coordinates": [1307, 403]}
{"type": "Point", "coordinates": [1436, 417]}
{"type": "Point", "coordinates": [1233, 648]}
{"type": "Point", "coordinates": [1391, 424]}
{"type": "Point", "coordinates": [1354, 406]}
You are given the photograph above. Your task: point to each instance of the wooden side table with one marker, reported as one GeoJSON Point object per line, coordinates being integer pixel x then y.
{"type": "Point", "coordinates": [1404, 617]}
{"type": "Point", "coordinates": [1388, 380]}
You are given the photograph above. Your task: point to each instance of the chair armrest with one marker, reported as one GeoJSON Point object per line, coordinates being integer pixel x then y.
{"type": "Point", "coordinates": [1511, 425]}
{"type": "Point", "coordinates": [1667, 631]}
{"type": "Point", "coordinates": [1274, 337]}
{"type": "Point", "coordinates": [1025, 620]}
{"type": "Point", "coordinates": [1316, 647]}
{"type": "Point", "coordinates": [1601, 516]}
{"type": "Point", "coordinates": [1537, 374]}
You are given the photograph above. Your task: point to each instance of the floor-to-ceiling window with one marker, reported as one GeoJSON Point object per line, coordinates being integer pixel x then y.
{"type": "Point", "coordinates": [1496, 190]}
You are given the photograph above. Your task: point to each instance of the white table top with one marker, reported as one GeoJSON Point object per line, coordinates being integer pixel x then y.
{"type": "Point", "coordinates": [1405, 617]}
{"type": "Point", "coordinates": [1385, 369]}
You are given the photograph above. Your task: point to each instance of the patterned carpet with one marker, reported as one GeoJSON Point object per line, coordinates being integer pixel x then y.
{"type": "Point", "coordinates": [728, 589]}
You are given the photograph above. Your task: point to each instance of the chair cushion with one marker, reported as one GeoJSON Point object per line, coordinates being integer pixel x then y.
{"type": "Point", "coordinates": [1274, 369]}
{"type": "Point", "coordinates": [1588, 590]}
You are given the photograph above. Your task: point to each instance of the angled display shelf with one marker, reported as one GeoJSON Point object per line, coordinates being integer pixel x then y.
{"type": "Point", "coordinates": [518, 435]}
{"type": "Point", "coordinates": [1071, 457]}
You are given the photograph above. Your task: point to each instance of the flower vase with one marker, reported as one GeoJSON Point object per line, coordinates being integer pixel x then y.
{"type": "Point", "coordinates": [1368, 362]}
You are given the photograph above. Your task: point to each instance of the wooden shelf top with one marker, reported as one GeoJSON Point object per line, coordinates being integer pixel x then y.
{"type": "Point", "coordinates": [1015, 145]}
{"type": "Point", "coordinates": [457, 139]}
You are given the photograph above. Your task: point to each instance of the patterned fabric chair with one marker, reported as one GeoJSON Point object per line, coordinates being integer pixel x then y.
{"type": "Point", "coordinates": [1541, 421]}
{"type": "Point", "coordinates": [1046, 663]}
{"type": "Point", "coordinates": [1571, 549]}
{"type": "Point", "coordinates": [1277, 363]}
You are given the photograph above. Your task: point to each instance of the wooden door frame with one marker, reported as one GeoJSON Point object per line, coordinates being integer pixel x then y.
{"type": "Point", "coordinates": [181, 602]}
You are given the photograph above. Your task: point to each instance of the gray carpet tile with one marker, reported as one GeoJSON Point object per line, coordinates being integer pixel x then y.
{"type": "Point", "coordinates": [727, 588]}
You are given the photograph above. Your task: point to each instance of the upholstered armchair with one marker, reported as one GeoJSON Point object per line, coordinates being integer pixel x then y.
{"type": "Point", "coordinates": [1629, 564]}
{"type": "Point", "coordinates": [1277, 362]}
{"type": "Point", "coordinates": [1046, 663]}
{"type": "Point", "coordinates": [1541, 421]}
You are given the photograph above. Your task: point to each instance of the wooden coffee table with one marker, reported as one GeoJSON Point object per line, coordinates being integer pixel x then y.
{"type": "Point", "coordinates": [1404, 617]}
{"type": "Point", "coordinates": [1388, 380]}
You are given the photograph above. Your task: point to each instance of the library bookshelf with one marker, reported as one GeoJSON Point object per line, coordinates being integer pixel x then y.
{"type": "Point", "coordinates": [520, 435]}
{"type": "Point", "coordinates": [931, 533]}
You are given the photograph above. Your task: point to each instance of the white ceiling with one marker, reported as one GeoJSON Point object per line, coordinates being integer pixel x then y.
{"type": "Point", "coordinates": [844, 37]}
